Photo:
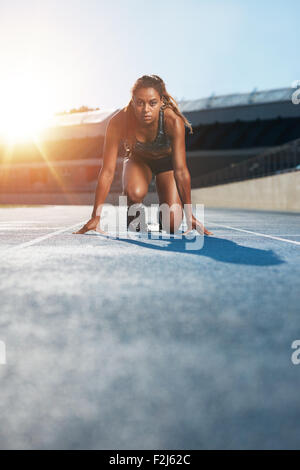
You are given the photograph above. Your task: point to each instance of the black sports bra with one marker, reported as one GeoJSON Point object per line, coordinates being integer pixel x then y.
{"type": "Point", "coordinates": [161, 146]}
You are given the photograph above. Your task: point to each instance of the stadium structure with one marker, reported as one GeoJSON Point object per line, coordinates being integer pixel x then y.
{"type": "Point", "coordinates": [230, 132]}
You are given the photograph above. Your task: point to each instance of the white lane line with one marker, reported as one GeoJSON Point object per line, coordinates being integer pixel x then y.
{"type": "Point", "coordinates": [22, 229]}
{"type": "Point", "coordinates": [256, 233]}
{"type": "Point", "coordinates": [20, 222]}
{"type": "Point", "coordinates": [44, 237]}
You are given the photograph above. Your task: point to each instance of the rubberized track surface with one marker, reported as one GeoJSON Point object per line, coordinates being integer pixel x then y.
{"type": "Point", "coordinates": [141, 344]}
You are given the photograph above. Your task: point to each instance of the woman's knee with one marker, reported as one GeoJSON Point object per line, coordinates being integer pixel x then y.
{"type": "Point", "coordinates": [135, 194]}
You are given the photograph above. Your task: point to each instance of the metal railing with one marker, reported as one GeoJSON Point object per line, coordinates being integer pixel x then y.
{"type": "Point", "coordinates": [285, 158]}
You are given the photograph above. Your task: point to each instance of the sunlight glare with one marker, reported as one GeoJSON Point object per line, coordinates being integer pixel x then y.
{"type": "Point", "coordinates": [26, 108]}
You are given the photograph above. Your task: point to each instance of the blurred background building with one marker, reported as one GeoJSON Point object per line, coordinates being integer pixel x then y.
{"type": "Point", "coordinates": [235, 138]}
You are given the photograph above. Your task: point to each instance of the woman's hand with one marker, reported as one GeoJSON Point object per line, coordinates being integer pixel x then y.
{"type": "Point", "coordinates": [92, 224]}
{"type": "Point", "coordinates": [195, 224]}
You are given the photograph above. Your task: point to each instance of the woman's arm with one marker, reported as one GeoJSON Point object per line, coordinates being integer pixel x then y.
{"type": "Point", "coordinates": [182, 174]}
{"type": "Point", "coordinates": [106, 174]}
{"type": "Point", "coordinates": [181, 171]}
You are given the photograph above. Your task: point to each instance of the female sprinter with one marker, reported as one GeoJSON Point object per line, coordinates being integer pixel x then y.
{"type": "Point", "coordinates": [151, 128]}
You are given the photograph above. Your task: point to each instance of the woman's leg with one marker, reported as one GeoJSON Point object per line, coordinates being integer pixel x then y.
{"type": "Point", "coordinates": [136, 178]}
{"type": "Point", "coordinates": [168, 194]}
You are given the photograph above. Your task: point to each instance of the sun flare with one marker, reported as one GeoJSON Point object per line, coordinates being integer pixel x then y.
{"type": "Point", "coordinates": [26, 109]}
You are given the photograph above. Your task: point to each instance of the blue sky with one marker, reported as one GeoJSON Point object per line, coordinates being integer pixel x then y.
{"type": "Point", "coordinates": [91, 51]}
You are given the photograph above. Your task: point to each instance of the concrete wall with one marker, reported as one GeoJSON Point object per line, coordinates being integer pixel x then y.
{"type": "Point", "coordinates": [277, 192]}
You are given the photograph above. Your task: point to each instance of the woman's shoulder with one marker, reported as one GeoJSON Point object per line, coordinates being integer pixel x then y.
{"type": "Point", "coordinates": [171, 121]}
{"type": "Point", "coordinates": [117, 122]}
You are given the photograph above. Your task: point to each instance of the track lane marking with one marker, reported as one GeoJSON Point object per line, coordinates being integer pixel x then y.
{"type": "Point", "coordinates": [256, 233]}
{"type": "Point", "coordinates": [44, 237]}
{"type": "Point", "coordinates": [52, 234]}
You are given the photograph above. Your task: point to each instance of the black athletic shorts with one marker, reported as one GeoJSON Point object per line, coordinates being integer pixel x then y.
{"type": "Point", "coordinates": [157, 165]}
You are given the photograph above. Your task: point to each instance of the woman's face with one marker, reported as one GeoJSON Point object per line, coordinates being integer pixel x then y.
{"type": "Point", "coordinates": [146, 103]}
